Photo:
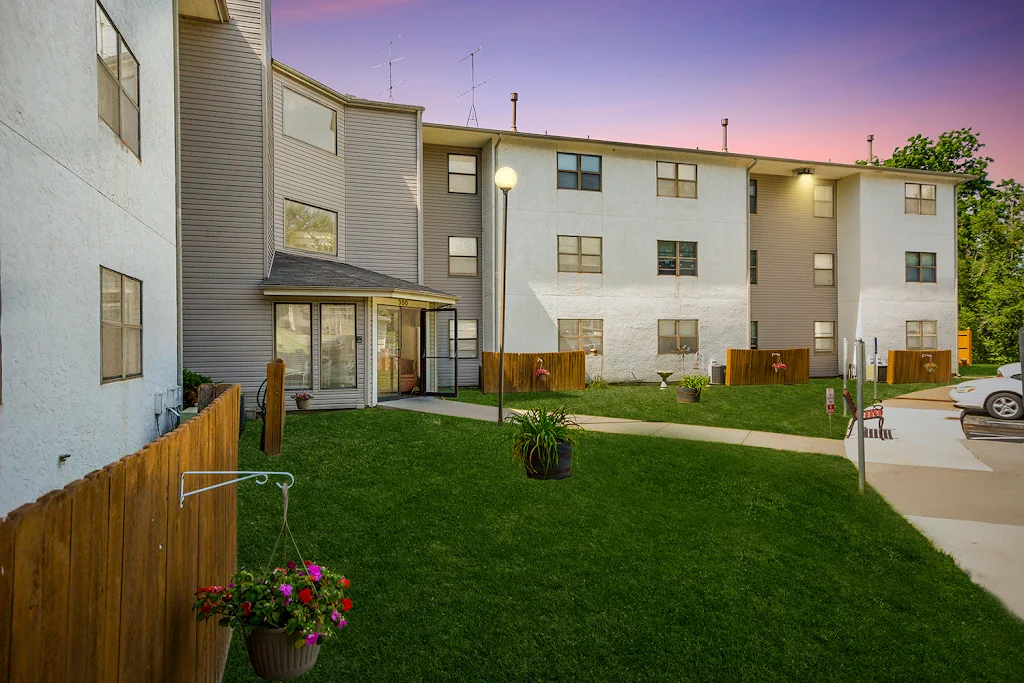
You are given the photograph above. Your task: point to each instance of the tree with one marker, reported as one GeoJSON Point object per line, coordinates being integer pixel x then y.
{"type": "Point", "coordinates": [990, 239]}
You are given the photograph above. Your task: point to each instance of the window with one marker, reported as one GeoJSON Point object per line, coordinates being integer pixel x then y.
{"type": "Point", "coordinates": [337, 346]}
{"type": "Point", "coordinates": [462, 174]}
{"type": "Point", "coordinates": [823, 201]}
{"type": "Point", "coordinates": [309, 228]}
{"type": "Point", "coordinates": [824, 337]}
{"type": "Point", "coordinates": [919, 199]}
{"type": "Point", "coordinates": [120, 326]}
{"type": "Point", "coordinates": [462, 256]}
{"type": "Point", "coordinates": [469, 339]}
{"type": "Point", "coordinates": [753, 196]}
{"type": "Point", "coordinates": [753, 266]}
{"type": "Point", "coordinates": [579, 172]}
{"type": "Point", "coordinates": [579, 254]}
{"type": "Point", "coordinates": [677, 336]}
{"type": "Point", "coordinates": [922, 335]}
{"type": "Point", "coordinates": [581, 335]}
{"type": "Point", "coordinates": [824, 270]}
{"type": "Point", "coordinates": [293, 343]}
{"type": "Point", "coordinates": [753, 334]}
{"type": "Point", "coordinates": [117, 76]}
{"type": "Point", "coordinates": [677, 180]}
{"type": "Point", "coordinates": [677, 258]}
{"type": "Point", "coordinates": [309, 121]}
{"type": "Point", "coordinates": [920, 266]}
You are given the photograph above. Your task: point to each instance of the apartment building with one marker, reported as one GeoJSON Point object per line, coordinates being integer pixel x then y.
{"type": "Point", "coordinates": [362, 245]}
{"type": "Point", "coordinates": [88, 236]}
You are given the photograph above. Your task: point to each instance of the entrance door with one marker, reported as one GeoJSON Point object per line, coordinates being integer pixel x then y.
{"type": "Point", "coordinates": [398, 352]}
{"type": "Point", "coordinates": [440, 361]}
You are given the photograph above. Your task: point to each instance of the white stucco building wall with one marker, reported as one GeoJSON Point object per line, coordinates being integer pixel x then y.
{"type": "Point", "coordinates": [629, 296]}
{"type": "Point", "coordinates": [875, 300]}
{"type": "Point", "coordinates": [73, 198]}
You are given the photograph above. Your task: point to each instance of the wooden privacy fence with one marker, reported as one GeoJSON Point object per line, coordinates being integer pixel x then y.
{"type": "Point", "coordinates": [98, 579]}
{"type": "Point", "coordinates": [964, 343]}
{"type": "Point", "coordinates": [568, 371]}
{"type": "Point", "coordinates": [906, 367]}
{"type": "Point", "coordinates": [754, 366]}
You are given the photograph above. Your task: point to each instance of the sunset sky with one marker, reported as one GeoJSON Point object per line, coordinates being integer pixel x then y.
{"type": "Point", "coordinates": [796, 79]}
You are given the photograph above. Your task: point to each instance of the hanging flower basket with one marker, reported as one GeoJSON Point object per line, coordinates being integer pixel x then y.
{"type": "Point", "coordinates": [931, 367]}
{"type": "Point", "coordinates": [302, 399]}
{"type": "Point", "coordinates": [779, 367]}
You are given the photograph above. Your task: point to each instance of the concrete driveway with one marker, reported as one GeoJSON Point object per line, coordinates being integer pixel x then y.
{"type": "Point", "coordinates": [966, 496]}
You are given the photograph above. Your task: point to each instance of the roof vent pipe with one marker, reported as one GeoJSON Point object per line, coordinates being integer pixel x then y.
{"type": "Point", "coordinates": [725, 135]}
{"type": "Point", "coordinates": [515, 98]}
{"type": "Point", "coordinates": [871, 156]}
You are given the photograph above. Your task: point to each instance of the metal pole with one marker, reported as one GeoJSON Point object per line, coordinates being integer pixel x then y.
{"type": "Point", "coordinates": [501, 329]}
{"type": "Point", "coordinates": [876, 369]}
{"type": "Point", "coordinates": [860, 412]}
{"type": "Point", "coordinates": [846, 367]}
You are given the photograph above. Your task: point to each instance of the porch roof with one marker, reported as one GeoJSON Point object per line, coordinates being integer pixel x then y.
{"type": "Point", "coordinates": [294, 275]}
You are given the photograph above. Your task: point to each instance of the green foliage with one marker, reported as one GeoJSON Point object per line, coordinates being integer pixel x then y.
{"type": "Point", "coordinates": [696, 381]}
{"type": "Point", "coordinates": [536, 434]}
{"type": "Point", "coordinates": [598, 383]}
{"type": "Point", "coordinates": [307, 601]}
{"type": "Point", "coordinates": [990, 240]}
{"type": "Point", "coordinates": [190, 386]}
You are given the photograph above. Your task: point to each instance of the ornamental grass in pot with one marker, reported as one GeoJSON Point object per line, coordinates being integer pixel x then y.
{"type": "Point", "coordinates": [542, 442]}
{"type": "Point", "coordinates": [690, 388]}
{"type": "Point", "coordinates": [285, 615]}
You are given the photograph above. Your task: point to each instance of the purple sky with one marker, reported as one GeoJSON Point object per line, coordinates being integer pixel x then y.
{"type": "Point", "coordinates": [796, 79]}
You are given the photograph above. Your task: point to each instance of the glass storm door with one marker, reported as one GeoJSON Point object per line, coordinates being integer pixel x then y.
{"type": "Point", "coordinates": [399, 352]}
{"type": "Point", "coordinates": [440, 364]}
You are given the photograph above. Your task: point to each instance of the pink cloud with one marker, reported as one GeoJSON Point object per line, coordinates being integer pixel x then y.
{"type": "Point", "coordinates": [305, 10]}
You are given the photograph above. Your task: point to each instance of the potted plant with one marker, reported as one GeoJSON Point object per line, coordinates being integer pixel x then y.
{"type": "Point", "coordinates": [285, 615]}
{"type": "Point", "coordinates": [302, 399]}
{"type": "Point", "coordinates": [542, 442]}
{"type": "Point", "coordinates": [690, 388]}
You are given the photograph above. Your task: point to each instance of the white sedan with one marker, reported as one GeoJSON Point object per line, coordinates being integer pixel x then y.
{"type": "Point", "coordinates": [999, 396]}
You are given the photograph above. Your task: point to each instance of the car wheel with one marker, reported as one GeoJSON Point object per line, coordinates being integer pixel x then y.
{"type": "Point", "coordinates": [1005, 406]}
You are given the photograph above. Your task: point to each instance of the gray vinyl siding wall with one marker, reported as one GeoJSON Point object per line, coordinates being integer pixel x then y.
{"type": "Point", "coordinates": [225, 317]}
{"type": "Point", "coordinates": [452, 215]}
{"type": "Point", "coordinates": [784, 302]}
{"type": "Point", "coordinates": [381, 215]}
{"type": "Point", "coordinates": [330, 399]}
{"type": "Point", "coordinates": [305, 173]}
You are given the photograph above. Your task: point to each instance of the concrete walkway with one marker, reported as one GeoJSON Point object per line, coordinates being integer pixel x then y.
{"type": "Point", "coordinates": [615, 425]}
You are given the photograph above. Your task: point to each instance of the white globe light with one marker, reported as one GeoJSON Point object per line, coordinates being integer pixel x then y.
{"type": "Point", "coordinates": [505, 178]}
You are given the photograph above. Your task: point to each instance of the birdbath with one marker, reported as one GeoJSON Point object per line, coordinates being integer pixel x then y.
{"type": "Point", "coordinates": [664, 379]}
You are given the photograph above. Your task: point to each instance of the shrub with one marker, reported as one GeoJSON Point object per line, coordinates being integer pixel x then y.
{"type": "Point", "coordinates": [536, 434]}
{"type": "Point", "coordinates": [190, 386]}
{"type": "Point", "coordinates": [598, 383]}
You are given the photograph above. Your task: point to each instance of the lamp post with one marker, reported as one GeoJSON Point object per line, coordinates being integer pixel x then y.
{"type": "Point", "coordinates": [505, 179]}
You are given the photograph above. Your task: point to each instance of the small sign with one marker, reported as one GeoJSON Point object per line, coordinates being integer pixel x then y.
{"type": "Point", "coordinates": [830, 400]}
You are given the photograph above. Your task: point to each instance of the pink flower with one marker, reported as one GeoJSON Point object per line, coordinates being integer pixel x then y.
{"type": "Point", "coordinates": [342, 623]}
{"type": "Point", "coordinates": [335, 615]}
{"type": "Point", "coordinates": [315, 572]}
{"type": "Point", "coordinates": [286, 590]}
{"type": "Point", "coordinates": [312, 638]}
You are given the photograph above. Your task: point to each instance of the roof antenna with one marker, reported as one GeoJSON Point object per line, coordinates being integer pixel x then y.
{"type": "Point", "coordinates": [391, 83]}
{"type": "Point", "coordinates": [474, 85]}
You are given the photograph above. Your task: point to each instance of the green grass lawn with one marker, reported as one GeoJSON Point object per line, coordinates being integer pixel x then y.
{"type": "Point", "coordinates": [793, 409]}
{"type": "Point", "coordinates": [658, 560]}
{"type": "Point", "coordinates": [979, 370]}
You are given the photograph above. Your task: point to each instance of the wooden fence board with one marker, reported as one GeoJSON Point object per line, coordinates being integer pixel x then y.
{"type": "Point", "coordinates": [568, 372]}
{"type": "Point", "coordinates": [754, 366]}
{"type": "Point", "coordinates": [103, 572]}
{"type": "Point", "coordinates": [907, 367]}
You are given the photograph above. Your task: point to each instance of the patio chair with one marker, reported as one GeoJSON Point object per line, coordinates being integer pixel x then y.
{"type": "Point", "coordinates": [873, 412]}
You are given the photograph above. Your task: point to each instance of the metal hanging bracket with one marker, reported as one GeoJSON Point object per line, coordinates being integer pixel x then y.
{"type": "Point", "coordinates": [260, 477]}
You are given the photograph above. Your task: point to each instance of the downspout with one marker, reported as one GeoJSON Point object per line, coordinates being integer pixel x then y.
{"type": "Point", "coordinates": [747, 261]}
{"type": "Point", "coordinates": [177, 200]}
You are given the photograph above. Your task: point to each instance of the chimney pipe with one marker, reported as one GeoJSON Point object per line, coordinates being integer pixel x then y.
{"type": "Point", "coordinates": [871, 156]}
{"type": "Point", "coordinates": [725, 135]}
{"type": "Point", "coordinates": [515, 98]}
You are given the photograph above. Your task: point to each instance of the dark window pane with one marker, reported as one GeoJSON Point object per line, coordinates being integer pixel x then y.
{"type": "Point", "coordinates": [666, 266]}
{"type": "Point", "coordinates": [928, 274]}
{"type": "Point", "coordinates": [927, 259]}
{"type": "Point", "coordinates": [666, 248]}
{"type": "Point", "coordinates": [913, 274]}
{"type": "Point", "coordinates": [591, 181]}
{"type": "Point", "coordinates": [667, 345]}
{"type": "Point", "coordinates": [913, 258]}
{"type": "Point", "coordinates": [566, 162]}
{"type": "Point", "coordinates": [688, 267]}
{"type": "Point", "coordinates": [567, 180]}
{"type": "Point", "coordinates": [688, 249]}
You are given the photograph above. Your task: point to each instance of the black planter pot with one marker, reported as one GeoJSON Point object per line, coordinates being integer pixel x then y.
{"type": "Point", "coordinates": [685, 395]}
{"type": "Point", "coordinates": [560, 469]}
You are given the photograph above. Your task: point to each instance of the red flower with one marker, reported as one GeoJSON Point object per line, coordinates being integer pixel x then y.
{"type": "Point", "coordinates": [247, 608]}
{"type": "Point", "coordinates": [206, 608]}
{"type": "Point", "coordinates": [345, 582]}
{"type": "Point", "coordinates": [308, 562]}
{"type": "Point", "coordinates": [305, 595]}
{"type": "Point", "coordinates": [346, 604]}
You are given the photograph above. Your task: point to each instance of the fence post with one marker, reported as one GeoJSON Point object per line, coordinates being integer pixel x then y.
{"type": "Point", "coordinates": [273, 420]}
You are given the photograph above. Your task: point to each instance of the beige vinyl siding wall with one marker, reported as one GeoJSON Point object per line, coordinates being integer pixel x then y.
{"type": "Point", "coordinates": [784, 302]}
{"type": "Point", "coordinates": [226, 321]}
{"type": "Point", "coordinates": [381, 214]}
{"type": "Point", "coordinates": [305, 173]}
{"type": "Point", "coordinates": [452, 215]}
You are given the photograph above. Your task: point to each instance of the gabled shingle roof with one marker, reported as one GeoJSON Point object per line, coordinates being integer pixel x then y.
{"type": "Point", "coordinates": [290, 271]}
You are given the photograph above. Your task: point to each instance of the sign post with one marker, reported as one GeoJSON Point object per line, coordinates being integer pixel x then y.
{"type": "Point", "coordinates": [860, 413]}
{"type": "Point", "coordinates": [830, 407]}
